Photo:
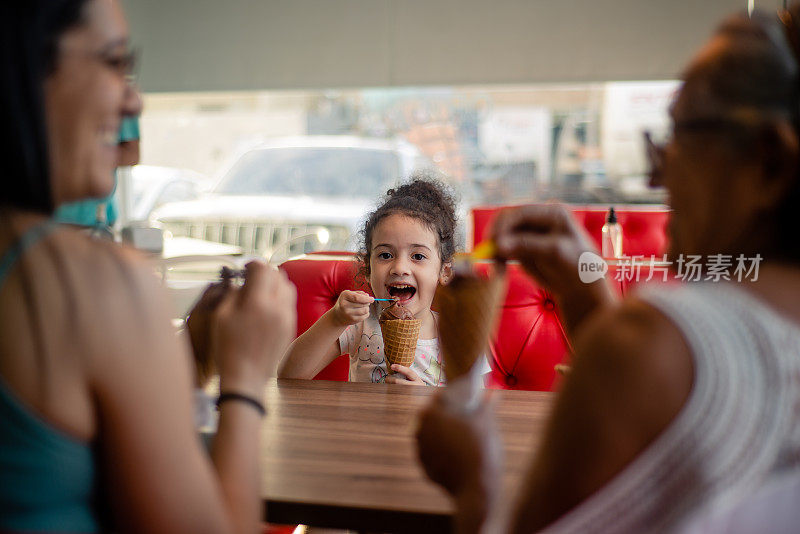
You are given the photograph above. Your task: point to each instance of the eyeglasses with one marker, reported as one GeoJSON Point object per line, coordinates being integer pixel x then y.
{"type": "Point", "coordinates": [738, 120]}
{"type": "Point", "coordinates": [123, 63]}
{"type": "Point", "coordinates": [654, 152]}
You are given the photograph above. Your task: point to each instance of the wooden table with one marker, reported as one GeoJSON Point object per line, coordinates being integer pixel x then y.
{"type": "Point", "coordinates": [342, 455]}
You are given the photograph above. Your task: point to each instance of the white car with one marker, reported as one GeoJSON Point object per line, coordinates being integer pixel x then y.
{"type": "Point", "coordinates": [153, 186]}
{"type": "Point", "coordinates": [295, 195]}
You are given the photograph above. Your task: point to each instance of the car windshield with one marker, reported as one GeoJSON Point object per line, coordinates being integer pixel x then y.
{"type": "Point", "coordinates": [327, 171]}
{"type": "Point", "coordinates": [140, 185]}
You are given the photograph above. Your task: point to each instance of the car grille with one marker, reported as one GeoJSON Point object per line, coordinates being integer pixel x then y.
{"type": "Point", "coordinates": [263, 238]}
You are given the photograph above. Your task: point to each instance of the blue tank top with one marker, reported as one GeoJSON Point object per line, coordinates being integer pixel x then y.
{"type": "Point", "coordinates": [48, 479]}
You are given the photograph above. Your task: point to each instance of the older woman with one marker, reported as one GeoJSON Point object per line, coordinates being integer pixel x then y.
{"type": "Point", "coordinates": [95, 389]}
{"type": "Point", "coordinates": [679, 397]}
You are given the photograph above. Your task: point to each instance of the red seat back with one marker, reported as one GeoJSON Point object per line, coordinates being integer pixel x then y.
{"type": "Point", "coordinates": [643, 228]}
{"type": "Point", "coordinates": [319, 279]}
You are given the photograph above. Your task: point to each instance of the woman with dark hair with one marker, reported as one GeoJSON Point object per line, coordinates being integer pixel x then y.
{"type": "Point", "coordinates": [680, 397]}
{"type": "Point", "coordinates": [95, 388]}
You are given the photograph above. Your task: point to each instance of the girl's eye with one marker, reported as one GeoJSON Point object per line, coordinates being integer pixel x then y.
{"type": "Point", "coordinates": [384, 255]}
{"type": "Point", "coordinates": [418, 256]}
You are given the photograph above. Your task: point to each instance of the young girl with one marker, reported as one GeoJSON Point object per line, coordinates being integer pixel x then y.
{"type": "Point", "coordinates": [407, 252]}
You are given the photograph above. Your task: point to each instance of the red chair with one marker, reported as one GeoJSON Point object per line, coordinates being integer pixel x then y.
{"type": "Point", "coordinates": [320, 278]}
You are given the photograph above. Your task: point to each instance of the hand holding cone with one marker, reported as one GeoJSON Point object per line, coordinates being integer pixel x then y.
{"type": "Point", "coordinates": [400, 332]}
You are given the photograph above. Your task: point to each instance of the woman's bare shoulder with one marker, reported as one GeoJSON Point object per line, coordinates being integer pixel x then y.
{"type": "Point", "coordinates": [106, 268]}
{"type": "Point", "coordinates": [635, 331]}
{"type": "Point", "coordinates": [90, 308]}
{"type": "Point", "coordinates": [635, 359]}
{"type": "Point", "coordinates": [114, 289]}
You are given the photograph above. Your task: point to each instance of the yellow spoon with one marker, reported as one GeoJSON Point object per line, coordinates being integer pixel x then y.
{"type": "Point", "coordinates": [485, 250]}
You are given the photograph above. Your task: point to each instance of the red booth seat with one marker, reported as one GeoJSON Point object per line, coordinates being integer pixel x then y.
{"type": "Point", "coordinates": [319, 279]}
{"type": "Point", "coordinates": [530, 339]}
{"type": "Point", "coordinates": [643, 228]}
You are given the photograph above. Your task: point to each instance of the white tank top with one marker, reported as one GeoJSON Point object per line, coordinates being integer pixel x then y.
{"type": "Point", "coordinates": [740, 424]}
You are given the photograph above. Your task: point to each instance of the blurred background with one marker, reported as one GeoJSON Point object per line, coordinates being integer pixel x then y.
{"type": "Point", "coordinates": [271, 127]}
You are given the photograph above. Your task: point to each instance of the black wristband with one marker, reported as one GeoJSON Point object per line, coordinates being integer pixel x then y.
{"type": "Point", "coordinates": [243, 398]}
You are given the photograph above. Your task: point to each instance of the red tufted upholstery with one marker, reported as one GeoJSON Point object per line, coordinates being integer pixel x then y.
{"type": "Point", "coordinates": [643, 228]}
{"type": "Point", "coordinates": [530, 339]}
{"type": "Point", "coordinates": [319, 278]}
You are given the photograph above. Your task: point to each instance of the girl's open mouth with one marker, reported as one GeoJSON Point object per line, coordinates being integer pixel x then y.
{"type": "Point", "coordinates": [401, 292]}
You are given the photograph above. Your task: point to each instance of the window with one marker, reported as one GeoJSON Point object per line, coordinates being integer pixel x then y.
{"type": "Point", "coordinates": [580, 143]}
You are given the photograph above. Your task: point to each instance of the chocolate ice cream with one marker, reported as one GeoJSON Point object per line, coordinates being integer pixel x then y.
{"type": "Point", "coordinates": [396, 311]}
{"type": "Point", "coordinates": [468, 310]}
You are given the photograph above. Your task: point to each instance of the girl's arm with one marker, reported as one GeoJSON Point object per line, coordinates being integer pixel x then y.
{"type": "Point", "coordinates": [313, 349]}
{"type": "Point", "coordinates": [319, 345]}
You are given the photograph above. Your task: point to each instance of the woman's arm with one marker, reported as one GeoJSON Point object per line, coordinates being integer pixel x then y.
{"type": "Point", "coordinates": [632, 374]}
{"type": "Point", "coordinates": [462, 451]}
{"type": "Point", "coordinates": [251, 329]}
{"type": "Point", "coordinates": [158, 477]}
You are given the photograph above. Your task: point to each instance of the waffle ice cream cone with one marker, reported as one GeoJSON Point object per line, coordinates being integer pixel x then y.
{"type": "Point", "coordinates": [400, 340]}
{"type": "Point", "coordinates": [468, 308]}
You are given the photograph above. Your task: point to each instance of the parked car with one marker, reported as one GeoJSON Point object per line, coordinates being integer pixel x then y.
{"type": "Point", "coordinates": [295, 195]}
{"type": "Point", "coordinates": [153, 186]}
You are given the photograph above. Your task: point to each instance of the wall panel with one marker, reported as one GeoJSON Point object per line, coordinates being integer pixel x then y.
{"type": "Point", "coordinates": [212, 45]}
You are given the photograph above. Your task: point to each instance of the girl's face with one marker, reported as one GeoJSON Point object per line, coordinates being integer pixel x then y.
{"type": "Point", "coordinates": [405, 263]}
{"type": "Point", "coordinates": [86, 97]}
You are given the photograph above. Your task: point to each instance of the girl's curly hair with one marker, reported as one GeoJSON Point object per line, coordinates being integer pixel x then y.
{"type": "Point", "coordinates": [425, 199]}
